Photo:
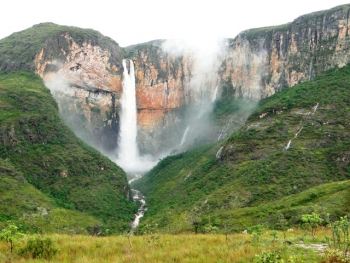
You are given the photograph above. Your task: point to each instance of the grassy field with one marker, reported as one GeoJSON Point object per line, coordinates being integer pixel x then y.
{"type": "Point", "coordinates": [179, 248]}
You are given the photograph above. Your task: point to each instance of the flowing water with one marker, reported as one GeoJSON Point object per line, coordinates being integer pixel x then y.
{"type": "Point", "coordinates": [141, 211]}
{"type": "Point", "coordinates": [288, 145]}
{"type": "Point", "coordinates": [128, 153]}
{"type": "Point", "coordinates": [215, 94]}
{"type": "Point", "coordinates": [184, 135]}
{"type": "Point", "coordinates": [127, 149]}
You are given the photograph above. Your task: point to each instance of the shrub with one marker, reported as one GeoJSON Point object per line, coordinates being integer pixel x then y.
{"type": "Point", "coordinates": [39, 248]}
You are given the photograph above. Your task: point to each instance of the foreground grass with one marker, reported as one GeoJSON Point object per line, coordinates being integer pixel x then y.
{"type": "Point", "coordinates": [175, 248]}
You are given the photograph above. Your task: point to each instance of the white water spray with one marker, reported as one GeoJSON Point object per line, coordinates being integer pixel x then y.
{"type": "Point", "coordinates": [128, 153]}
{"type": "Point", "coordinates": [184, 135]}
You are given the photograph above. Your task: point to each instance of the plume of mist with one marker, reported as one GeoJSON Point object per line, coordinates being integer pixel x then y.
{"type": "Point", "coordinates": [205, 56]}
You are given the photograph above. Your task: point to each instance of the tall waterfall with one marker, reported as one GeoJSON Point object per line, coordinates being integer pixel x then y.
{"type": "Point", "coordinates": [128, 153]}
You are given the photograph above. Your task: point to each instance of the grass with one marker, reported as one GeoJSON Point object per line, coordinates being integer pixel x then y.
{"type": "Point", "coordinates": [176, 248]}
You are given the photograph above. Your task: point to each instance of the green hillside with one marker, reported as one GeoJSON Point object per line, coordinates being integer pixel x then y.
{"type": "Point", "coordinates": [43, 164]}
{"type": "Point", "coordinates": [255, 176]}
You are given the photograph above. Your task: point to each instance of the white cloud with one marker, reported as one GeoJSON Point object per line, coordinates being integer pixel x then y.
{"type": "Point", "coordinates": [135, 21]}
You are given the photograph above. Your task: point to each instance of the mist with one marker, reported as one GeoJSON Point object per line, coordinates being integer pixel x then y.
{"type": "Point", "coordinates": [206, 56]}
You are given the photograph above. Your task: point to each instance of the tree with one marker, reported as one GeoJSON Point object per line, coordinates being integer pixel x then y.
{"type": "Point", "coordinates": [281, 223]}
{"type": "Point", "coordinates": [313, 220]}
{"type": "Point", "coordinates": [11, 235]}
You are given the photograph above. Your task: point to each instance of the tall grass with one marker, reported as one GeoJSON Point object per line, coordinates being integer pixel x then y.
{"type": "Point", "coordinates": [174, 248]}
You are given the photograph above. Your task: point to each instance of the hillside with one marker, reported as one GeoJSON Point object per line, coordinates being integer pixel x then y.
{"type": "Point", "coordinates": [255, 175]}
{"type": "Point", "coordinates": [44, 167]}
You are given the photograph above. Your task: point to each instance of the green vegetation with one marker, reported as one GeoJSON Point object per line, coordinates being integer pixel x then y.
{"type": "Point", "coordinates": [50, 180]}
{"type": "Point", "coordinates": [256, 178]}
{"type": "Point", "coordinates": [178, 248]}
{"type": "Point", "coordinates": [39, 247]}
{"type": "Point", "coordinates": [11, 235]}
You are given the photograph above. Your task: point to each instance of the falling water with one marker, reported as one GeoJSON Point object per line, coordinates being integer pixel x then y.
{"type": "Point", "coordinates": [218, 154]}
{"type": "Point", "coordinates": [184, 135]}
{"type": "Point", "coordinates": [296, 135]}
{"type": "Point", "coordinates": [288, 145]}
{"type": "Point", "coordinates": [215, 94]}
{"type": "Point", "coordinates": [310, 69]}
{"type": "Point", "coordinates": [315, 109]}
{"type": "Point", "coordinates": [128, 151]}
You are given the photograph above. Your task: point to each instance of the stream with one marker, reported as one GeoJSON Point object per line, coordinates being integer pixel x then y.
{"type": "Point", "coordinates": [138, 196]}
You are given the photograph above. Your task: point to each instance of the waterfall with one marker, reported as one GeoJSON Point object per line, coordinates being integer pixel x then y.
{"type": "Point", "coordinates": [128, 152]}
{"type": "Point", "coordinates": [184, 135]}
{"type": "Point", "coordinates": [218, 154]}
{"type": "Point", "coordinates": [310, 69]}
{"type": "Point", "coordinates": [314, 109]}
{"type": "Point", "coordinates": [296, 135]}
{"type": "Point", "coordinates": [215, 94]}
{"type": "Point", "coordinates": [288, 145]}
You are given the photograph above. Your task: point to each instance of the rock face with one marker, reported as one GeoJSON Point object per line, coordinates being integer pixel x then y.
{"type": "Point", "coordinates": [86, 81]}
{"type": "Point", "coordinates": [262, 61]}
{"type": "Point", "coordinates": [168, 99]}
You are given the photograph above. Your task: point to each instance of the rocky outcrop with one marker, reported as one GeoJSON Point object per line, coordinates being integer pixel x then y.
{"type": "Point", "coordinates": [262, 61]}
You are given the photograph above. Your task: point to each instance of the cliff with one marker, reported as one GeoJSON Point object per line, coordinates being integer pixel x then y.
{"type": "Point", "coordinates": [83, 70]}
{"type": "Point", "coordinates": [174, 86]}
{"type": "Point", "coordinates": [262, 61]}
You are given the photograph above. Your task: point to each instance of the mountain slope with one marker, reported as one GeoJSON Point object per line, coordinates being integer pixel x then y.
{"type": "Point", "coordinates": [36, 143]}
{"type": "Point", "coordinates": [254, 167]}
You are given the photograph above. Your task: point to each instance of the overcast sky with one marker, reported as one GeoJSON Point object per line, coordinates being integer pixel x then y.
{"type": "Point", "coordinates": [134, 21]}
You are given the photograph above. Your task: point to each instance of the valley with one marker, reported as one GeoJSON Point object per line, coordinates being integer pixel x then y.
{"type": "Point", "coordinates": [165, 152]}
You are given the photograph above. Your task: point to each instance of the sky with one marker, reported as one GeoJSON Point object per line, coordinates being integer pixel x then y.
{"type": "Point", "coordinates": [135, 21]}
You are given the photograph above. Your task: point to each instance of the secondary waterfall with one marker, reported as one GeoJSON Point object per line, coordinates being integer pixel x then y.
{"type": "Point", "coordinates": [288, 145]}
{"type": "Point", "coordinates": [184, 135]}
{"type": "Point", "coordinates": [215, 94]}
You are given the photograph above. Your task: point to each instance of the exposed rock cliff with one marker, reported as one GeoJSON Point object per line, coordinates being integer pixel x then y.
{"type": "Point", "coordinates": [262, 61]}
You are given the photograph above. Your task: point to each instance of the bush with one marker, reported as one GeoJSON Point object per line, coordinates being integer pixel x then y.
{"type": "Point", "coordinates": [39, 248]}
